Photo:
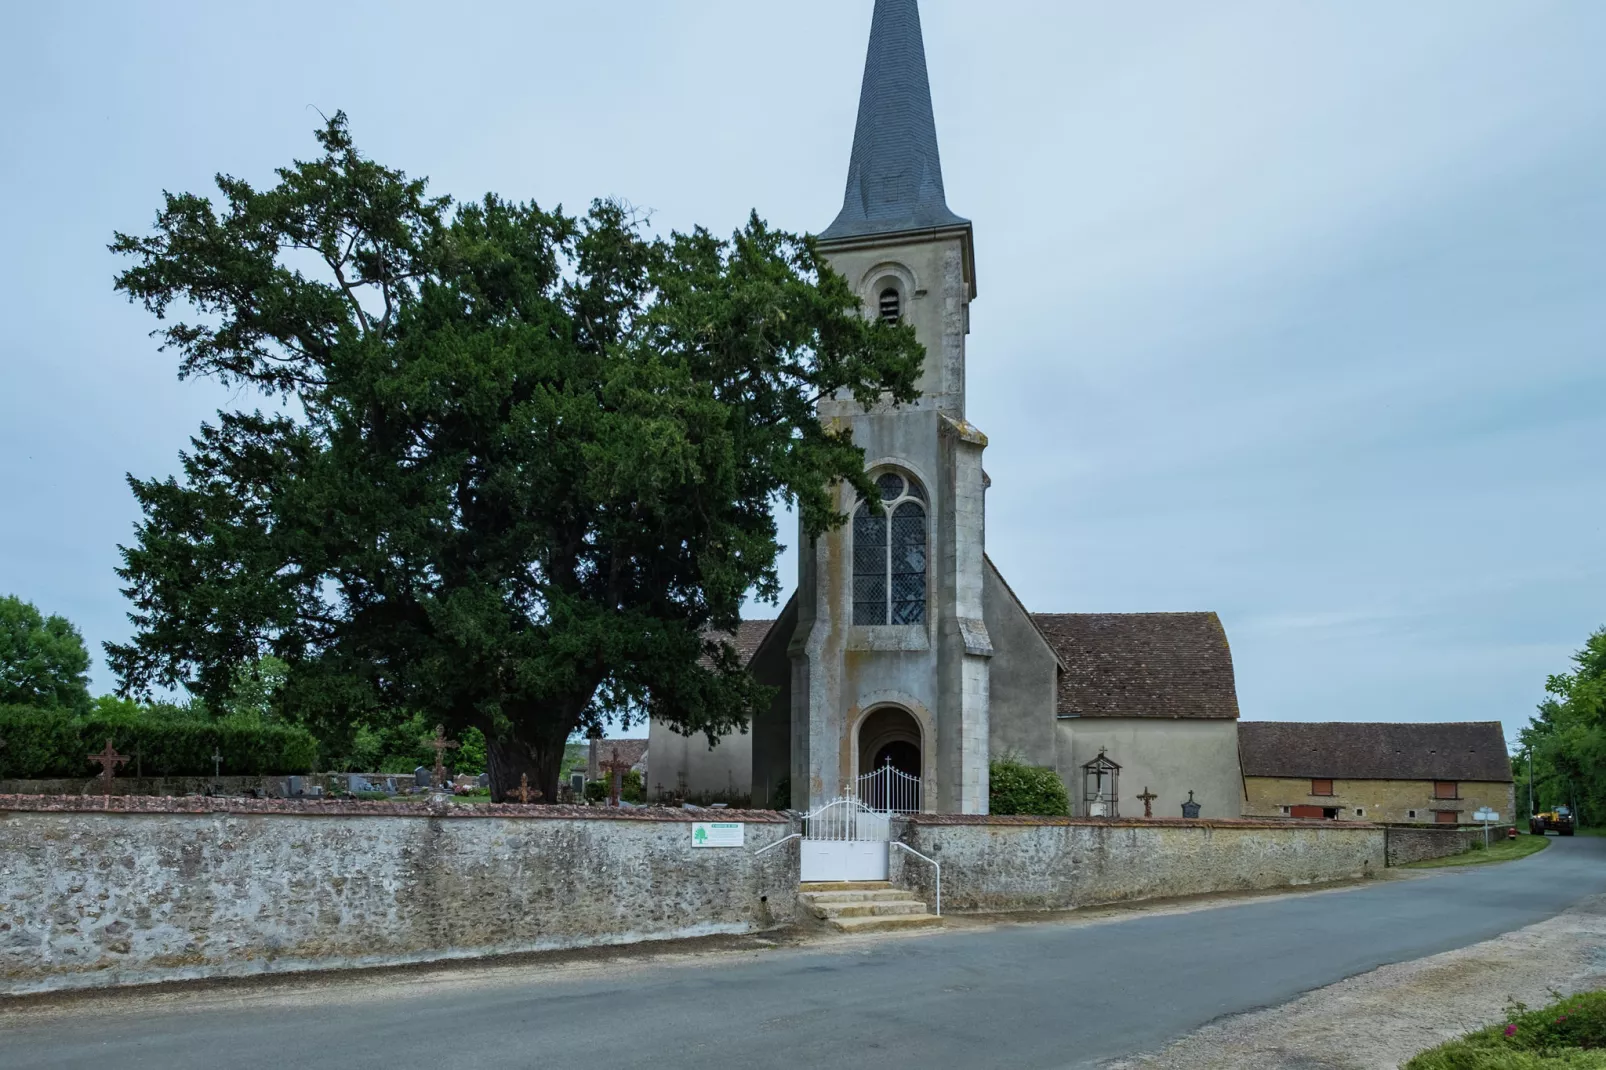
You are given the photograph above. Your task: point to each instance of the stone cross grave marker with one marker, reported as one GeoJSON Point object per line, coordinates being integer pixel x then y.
{"type": "Point", "coordinates": [616, 767]}
{"type": "Point", "coordinates": [109, 760]}
{"type": "Point", "coordinates": [441, 745]}
{"type": "Point", "coordinates": [1148, 798]}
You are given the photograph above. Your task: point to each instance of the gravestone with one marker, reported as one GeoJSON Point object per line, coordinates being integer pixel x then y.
{"type": "Point", "coordinates": [423, 777]}
{"type": "Point", "coordinates": [292, 787]}
{"type": "Point", "coordinates": [1190, 809]}
{"type": "Point", "coordinates": [485, 780]}
{"type": "Point", "coordinates": [577, 784]}
{"type": "Point", "coordinates": [356, 783]}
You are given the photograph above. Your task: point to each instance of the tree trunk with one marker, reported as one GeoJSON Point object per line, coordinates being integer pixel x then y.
{"type": "Point", "coordinates": [508, 761]}
{"type": "Point", "coordinates": [510, 758]}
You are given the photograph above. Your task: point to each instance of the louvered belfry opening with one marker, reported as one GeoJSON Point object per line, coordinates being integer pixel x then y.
{"type": "Point", "coordinates": [891, 305]}
{"type": "Point", "coordinates": [889, 554]}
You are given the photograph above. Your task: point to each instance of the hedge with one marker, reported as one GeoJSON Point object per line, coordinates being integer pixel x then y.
{"type": "Point", "coordinates": [47, 744]}
{"type": "Point", "coordinates": [1017, 788]}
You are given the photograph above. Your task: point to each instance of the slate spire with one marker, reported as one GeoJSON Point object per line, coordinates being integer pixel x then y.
{"type": "Point", "coordinates": [895, 175]}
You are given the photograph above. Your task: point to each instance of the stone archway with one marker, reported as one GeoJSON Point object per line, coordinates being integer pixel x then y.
{"type": "Point", "coordinates": [890, 736]}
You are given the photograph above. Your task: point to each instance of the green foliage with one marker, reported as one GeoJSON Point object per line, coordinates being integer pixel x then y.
{"type": "Point", "coordinates": [1016, 788]}
{"type": "Point", "coordinates": [52, 743]}
{"type": "Point", "coordinates": [1568, 740]}
{"type": "Point", "coordinates": [43, 661]}
{"type": "Point", "coordinates": [631, 789]}
{"type": "Point", "coordinates": [526, 473]}
{"type": "Point", "coordinates": [1570, 1033]}
{"type": "Point", "coordinates": [398, 744]}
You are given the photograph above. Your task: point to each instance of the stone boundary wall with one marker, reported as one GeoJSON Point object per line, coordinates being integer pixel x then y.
{"type": "Point", "coordinates": [151, 785]}
{"type": "Point", "coordinates": [131, 890]}
{"type": "Point", "coordinates": [997, 864]}
{"type": "Point", "coordinates": [1417, 843]}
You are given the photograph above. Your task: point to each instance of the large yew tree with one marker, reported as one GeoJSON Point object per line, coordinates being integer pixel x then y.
{"type": "Point", "coordinates": [509, 467]}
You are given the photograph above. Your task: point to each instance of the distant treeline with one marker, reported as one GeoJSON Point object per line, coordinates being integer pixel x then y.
{"type": "Point", "coordinates": [1567, 740]}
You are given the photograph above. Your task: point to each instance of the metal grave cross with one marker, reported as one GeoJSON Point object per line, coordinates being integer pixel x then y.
{"type": "Point", "coordinates": [441, 745]}
{"type": "Point", "coordinates": [1148, 798]}
{"type": "Point", "coordinates": [109, 760]}
{"type": "Point", "coordinates": [616, 768]}
{"type": "Point", "coordinates": [217, 764]}
{"type": "Point", "coordinates": [525, 791]}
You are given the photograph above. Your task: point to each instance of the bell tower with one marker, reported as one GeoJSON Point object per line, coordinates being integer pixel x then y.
{"type": "Point", "coordinates": [890, 656]}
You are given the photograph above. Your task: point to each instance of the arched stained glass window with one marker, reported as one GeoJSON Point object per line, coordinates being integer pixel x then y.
{"type": "Point", "coordinates": [889, 555]}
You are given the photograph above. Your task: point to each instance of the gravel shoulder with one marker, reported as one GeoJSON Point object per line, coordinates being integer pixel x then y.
{"type": "Point", "coordinates": [1377, 1020]}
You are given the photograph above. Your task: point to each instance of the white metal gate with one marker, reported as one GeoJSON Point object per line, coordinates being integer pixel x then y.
{"type": "Point", "coordinates": [890, 790]}
{"type": "Point", "coordinates": [846, 838]}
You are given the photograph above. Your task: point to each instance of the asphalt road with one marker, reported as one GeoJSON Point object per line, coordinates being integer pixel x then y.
{"type": "Point", "coordinates": [1058, 994]}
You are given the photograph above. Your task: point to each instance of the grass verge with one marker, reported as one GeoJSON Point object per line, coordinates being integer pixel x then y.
{"type": "Point", "coordinates": [1499, 851]}
{"type": "Point", "coordinates": [1567, 1035]}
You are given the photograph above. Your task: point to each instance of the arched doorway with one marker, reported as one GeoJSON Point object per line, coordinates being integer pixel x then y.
{"type": "Point", "coordinates": [889, 738]}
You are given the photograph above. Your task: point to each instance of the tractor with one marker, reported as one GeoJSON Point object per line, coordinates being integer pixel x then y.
{"type": "Point", "coordinates": [1559, 820]}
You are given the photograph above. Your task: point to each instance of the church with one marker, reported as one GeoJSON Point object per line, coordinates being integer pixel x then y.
{"type": "Point", "coordinates": [904, 649]}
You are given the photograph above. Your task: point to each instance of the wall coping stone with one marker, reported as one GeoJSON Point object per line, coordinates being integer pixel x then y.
{"type": "Point", "coordinates": [202, 804]}
{"type": "Point", "coordinates": [1135, 822]}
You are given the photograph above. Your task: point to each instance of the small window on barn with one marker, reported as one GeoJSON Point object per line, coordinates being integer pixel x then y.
{"type": "Point", "coordinates": [1411, 814]}
{"type": "Point", "coordinates": [1359, 812]}
{"type": "Point", "coordinates": [1446, 789]}
{"type": "Point", "coordinates": [1321, 787]}
{"type": "Point", "coordinates": [1285, 809]}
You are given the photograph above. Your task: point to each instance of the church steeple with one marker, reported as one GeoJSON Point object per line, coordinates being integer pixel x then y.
{"type": "Point", "coordinates": [895, 175]}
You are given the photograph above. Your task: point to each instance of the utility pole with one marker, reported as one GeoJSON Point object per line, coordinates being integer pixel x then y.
{"type": "Point", "coordinates": [1530, 781]}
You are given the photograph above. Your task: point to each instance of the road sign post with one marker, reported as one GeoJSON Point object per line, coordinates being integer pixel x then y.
{"type": "Point", "coordinates": [1488, 817]}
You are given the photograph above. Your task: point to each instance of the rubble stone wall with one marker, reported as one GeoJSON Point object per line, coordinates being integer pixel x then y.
{"type": "Point", "coordinates": [96, 893]}
{"type": "Point", "coordinates": [1021, 864]}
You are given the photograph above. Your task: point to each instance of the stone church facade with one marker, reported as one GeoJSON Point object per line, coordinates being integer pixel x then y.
{"type": "Point", "coordinates": [903, 644]}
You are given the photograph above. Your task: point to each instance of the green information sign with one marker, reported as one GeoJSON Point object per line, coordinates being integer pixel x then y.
{"type": "Point", "coordinates": [718, 834]}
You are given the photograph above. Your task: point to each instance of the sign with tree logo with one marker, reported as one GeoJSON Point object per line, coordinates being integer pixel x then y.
{"type": "Point", "coordinates": [718, 834]}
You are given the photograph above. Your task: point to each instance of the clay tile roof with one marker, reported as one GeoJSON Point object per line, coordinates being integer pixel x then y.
{"type": "Point", "coordinates": [1458, 750]}
{"type": "Point", "coordinates": [1168, 665]}
{"type": "Point", "coordinates": [750, 635]}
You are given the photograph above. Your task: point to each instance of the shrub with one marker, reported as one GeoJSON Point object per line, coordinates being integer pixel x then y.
{"type": "Point", "coordinates": [631, 789]}
{"type": "Point", "coordinates": [1017, 788]}
{"type": "Point", "coordinates": [54, 743]}
{"type": "Point", "coordinates": [1567, 1035]}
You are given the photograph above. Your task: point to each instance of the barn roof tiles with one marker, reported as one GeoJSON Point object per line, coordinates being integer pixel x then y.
{"type": "Point", "coordinates": [1458, 750]}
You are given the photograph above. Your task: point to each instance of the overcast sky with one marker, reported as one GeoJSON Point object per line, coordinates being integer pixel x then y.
{"type": "Point", "coordinates": [1291, 311]}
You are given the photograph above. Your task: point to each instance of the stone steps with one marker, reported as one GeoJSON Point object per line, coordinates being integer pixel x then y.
{"type": "Point", "coordinates": [864, 906]}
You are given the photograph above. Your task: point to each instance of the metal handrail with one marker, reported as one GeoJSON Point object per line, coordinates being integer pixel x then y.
{"type": "Point", "coordinates": [777, 843]}
{"type": "Point", "coordinates": [934, 865]}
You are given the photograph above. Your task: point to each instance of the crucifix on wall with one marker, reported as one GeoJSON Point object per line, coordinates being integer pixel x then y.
{"type": "Point", "coordinates": [441, 745]}
{"type": "Point", "coordinates": [109, 760]}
